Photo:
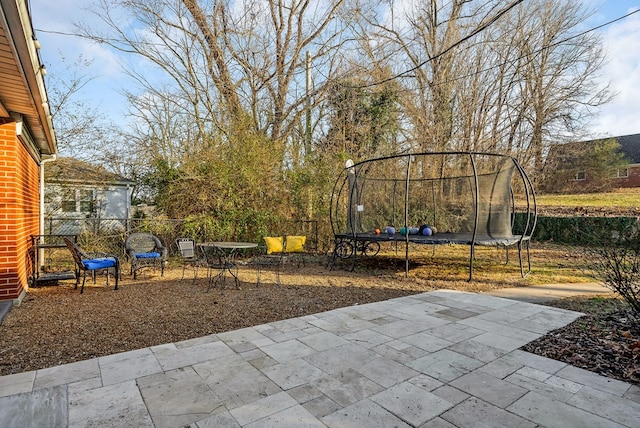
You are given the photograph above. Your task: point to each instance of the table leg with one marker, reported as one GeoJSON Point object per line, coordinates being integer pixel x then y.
{"type": "Point", "coordinates": [213, 280]}
{"type": "Point", "coordinates": [231, 264]}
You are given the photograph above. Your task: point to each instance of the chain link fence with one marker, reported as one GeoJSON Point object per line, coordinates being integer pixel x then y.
{"type": "Point", "coordinates": [108, 234]}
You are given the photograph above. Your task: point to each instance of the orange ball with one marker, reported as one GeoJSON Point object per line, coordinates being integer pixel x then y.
{"type": "Point", "coordinates": [377, 231]}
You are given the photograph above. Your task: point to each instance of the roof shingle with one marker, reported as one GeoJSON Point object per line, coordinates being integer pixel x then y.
{"type": "Point", "coordinates": [71, 169]}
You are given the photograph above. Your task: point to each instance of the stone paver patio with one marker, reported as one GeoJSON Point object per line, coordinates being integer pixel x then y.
{"type": "Point", "coordinates": [437, 359]}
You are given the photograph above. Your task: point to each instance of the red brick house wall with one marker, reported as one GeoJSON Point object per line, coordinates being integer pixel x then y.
{"type": "Point", "coordinates": [27, 139]}
{"type": "Point", "coordinates": [632, 179]}
{"type": "Point", "coordinates": [19, 211]}
{"type": "Point", "coordinates": [564, 157]}
{"type": "Point", "coordinates": [588, 184]}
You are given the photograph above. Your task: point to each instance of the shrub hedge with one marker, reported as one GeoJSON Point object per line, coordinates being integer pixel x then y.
{"type": "Point", "coordinates": [578, 230]}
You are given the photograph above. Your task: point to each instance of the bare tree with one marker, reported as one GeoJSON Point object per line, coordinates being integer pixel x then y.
{"type": "Point", "coordinates": [422, 36]}
{"type": "Point", "coordinates": [559, 74]}
{"type": "Point", "coordinates": [228, 77]}
{"type": "Point", "coordinates": [518, 84]}
{"type": "Point", "coordinates": [80, 129]}
{"type": "Point", "coordinates": [221, 77]}
{"type": "Point", "coordinates": [231, 60]}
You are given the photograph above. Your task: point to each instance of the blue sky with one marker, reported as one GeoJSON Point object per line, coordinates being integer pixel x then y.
{"type": "Point", "coordinates": [620, 117]}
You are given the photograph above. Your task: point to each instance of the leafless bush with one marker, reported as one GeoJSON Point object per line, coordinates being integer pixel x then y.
{"type": "Point", "coordinates": [616, 262]}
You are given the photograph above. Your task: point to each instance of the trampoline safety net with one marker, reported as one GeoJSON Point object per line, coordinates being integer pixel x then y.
{"type": "Point", "coordinates": [460, 197]}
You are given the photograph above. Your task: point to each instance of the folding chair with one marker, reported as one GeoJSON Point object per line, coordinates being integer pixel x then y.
{"type": "Point", "coordinates": [187, 250]}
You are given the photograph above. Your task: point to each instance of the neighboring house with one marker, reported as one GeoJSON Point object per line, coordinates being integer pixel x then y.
{"type": "Point", "coordinates": [76, 191]}
{"type": "Point", "coordinates": [630, 147]}
{"type": "Point", "coordinates": [579, 166]}
{"type": "Point", "coordinates": [27, 140]}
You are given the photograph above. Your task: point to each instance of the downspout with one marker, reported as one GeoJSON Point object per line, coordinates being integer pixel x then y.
{"type": "Point", "coordinates": [44, 159]}
{"type": "Point", "coordinates": [128, 207]}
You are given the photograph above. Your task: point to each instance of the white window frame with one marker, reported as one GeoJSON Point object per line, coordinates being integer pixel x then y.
{"type": "Point", "coordinates": [625, 175]}
{"type": "Point", "coordinates": [82, 199]}
{"type": "Point", "coordinates": [68, 199]}
{"type": "Point", "coordinates": [86, 200]}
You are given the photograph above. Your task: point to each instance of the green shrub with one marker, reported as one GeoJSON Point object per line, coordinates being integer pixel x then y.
{"type": "Point", "coordinates": [577, 230]}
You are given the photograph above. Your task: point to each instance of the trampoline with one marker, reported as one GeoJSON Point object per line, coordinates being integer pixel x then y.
{"type": "Point", "coordinates": [467, 198]}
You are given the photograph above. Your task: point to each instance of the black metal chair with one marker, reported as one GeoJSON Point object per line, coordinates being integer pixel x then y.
{"type": "Point", "coordinates": [295, 247]}
{"type": "Point", "coordinates": [216, 262]}
{"type": "Point", "coordinates": [278, 251]}
{"type": "Point", "coordinates": [92, 262]}
{"type": "Point", "coordinates": [145, 250]}
{"type": "Point", "coordinates": [273, 255]}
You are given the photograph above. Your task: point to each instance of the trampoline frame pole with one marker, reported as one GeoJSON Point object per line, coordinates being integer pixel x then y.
{"type": "Point", "coordinates": [475, 221]}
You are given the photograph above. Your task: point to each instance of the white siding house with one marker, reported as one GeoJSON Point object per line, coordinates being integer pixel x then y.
{"type": "Point", "coordinates": [80, 195]}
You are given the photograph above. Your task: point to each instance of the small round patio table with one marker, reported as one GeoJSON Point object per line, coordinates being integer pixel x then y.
{"type": "Point", "coordinates": [227, 251]}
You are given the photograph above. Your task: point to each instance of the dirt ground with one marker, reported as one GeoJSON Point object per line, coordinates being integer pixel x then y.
{"type": "Point", "coordinates": [57, 325]}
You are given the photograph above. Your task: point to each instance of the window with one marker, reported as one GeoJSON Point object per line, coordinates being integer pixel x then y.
{"type": "Point", "coordinates": [85, 198]}
{"type": "Point", "coordinates": [580, 176]}
{"type": "Point", "coordinates": [68, 204]}
{"type": "Point", "coordinates": [622, 173]}
{"type": "Point", "coordinates": [80, 200]}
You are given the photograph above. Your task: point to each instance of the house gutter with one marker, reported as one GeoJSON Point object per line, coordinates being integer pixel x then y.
{"type": "Point", "coordinates": [44, 159]}
{"type": "Point", "coordinates": [128, 207]}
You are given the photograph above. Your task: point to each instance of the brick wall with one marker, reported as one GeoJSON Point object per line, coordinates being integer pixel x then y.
{"type": "Point", "coordinates": [589, 184]}
{"type": "Point", "coordinates": [633, 179]}
{"type": "Point", "coordinates": [19, 211]}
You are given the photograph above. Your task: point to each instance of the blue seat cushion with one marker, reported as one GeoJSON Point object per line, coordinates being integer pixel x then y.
{"type": "Point", "coordinates": [152, 255]}
{"type": "Point", "coordinates": [101, 263]}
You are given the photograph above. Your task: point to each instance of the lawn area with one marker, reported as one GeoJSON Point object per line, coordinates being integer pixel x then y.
{"type": "Point", "coordinates": [449, 265]}
{"type": "Point", "coordinates": [619, 199]}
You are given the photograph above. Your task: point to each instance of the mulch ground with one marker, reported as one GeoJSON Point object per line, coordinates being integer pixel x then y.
{"type": "Point", "coordinates": [606, 340]}
{"type": "Point", "coordinates": [57, 325]}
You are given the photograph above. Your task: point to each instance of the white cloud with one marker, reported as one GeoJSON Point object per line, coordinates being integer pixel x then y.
{"type": "Point", "coordinates": [622, 115]}
{"type": "Point", "coordinates": [54, 23]}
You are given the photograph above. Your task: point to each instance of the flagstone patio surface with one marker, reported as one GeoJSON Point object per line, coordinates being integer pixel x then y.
{"type": "Point", "coordinates": [437, 359]}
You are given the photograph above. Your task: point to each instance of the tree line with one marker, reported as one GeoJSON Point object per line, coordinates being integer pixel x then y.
{"type": "Point", "coordinates": [245, 110]}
